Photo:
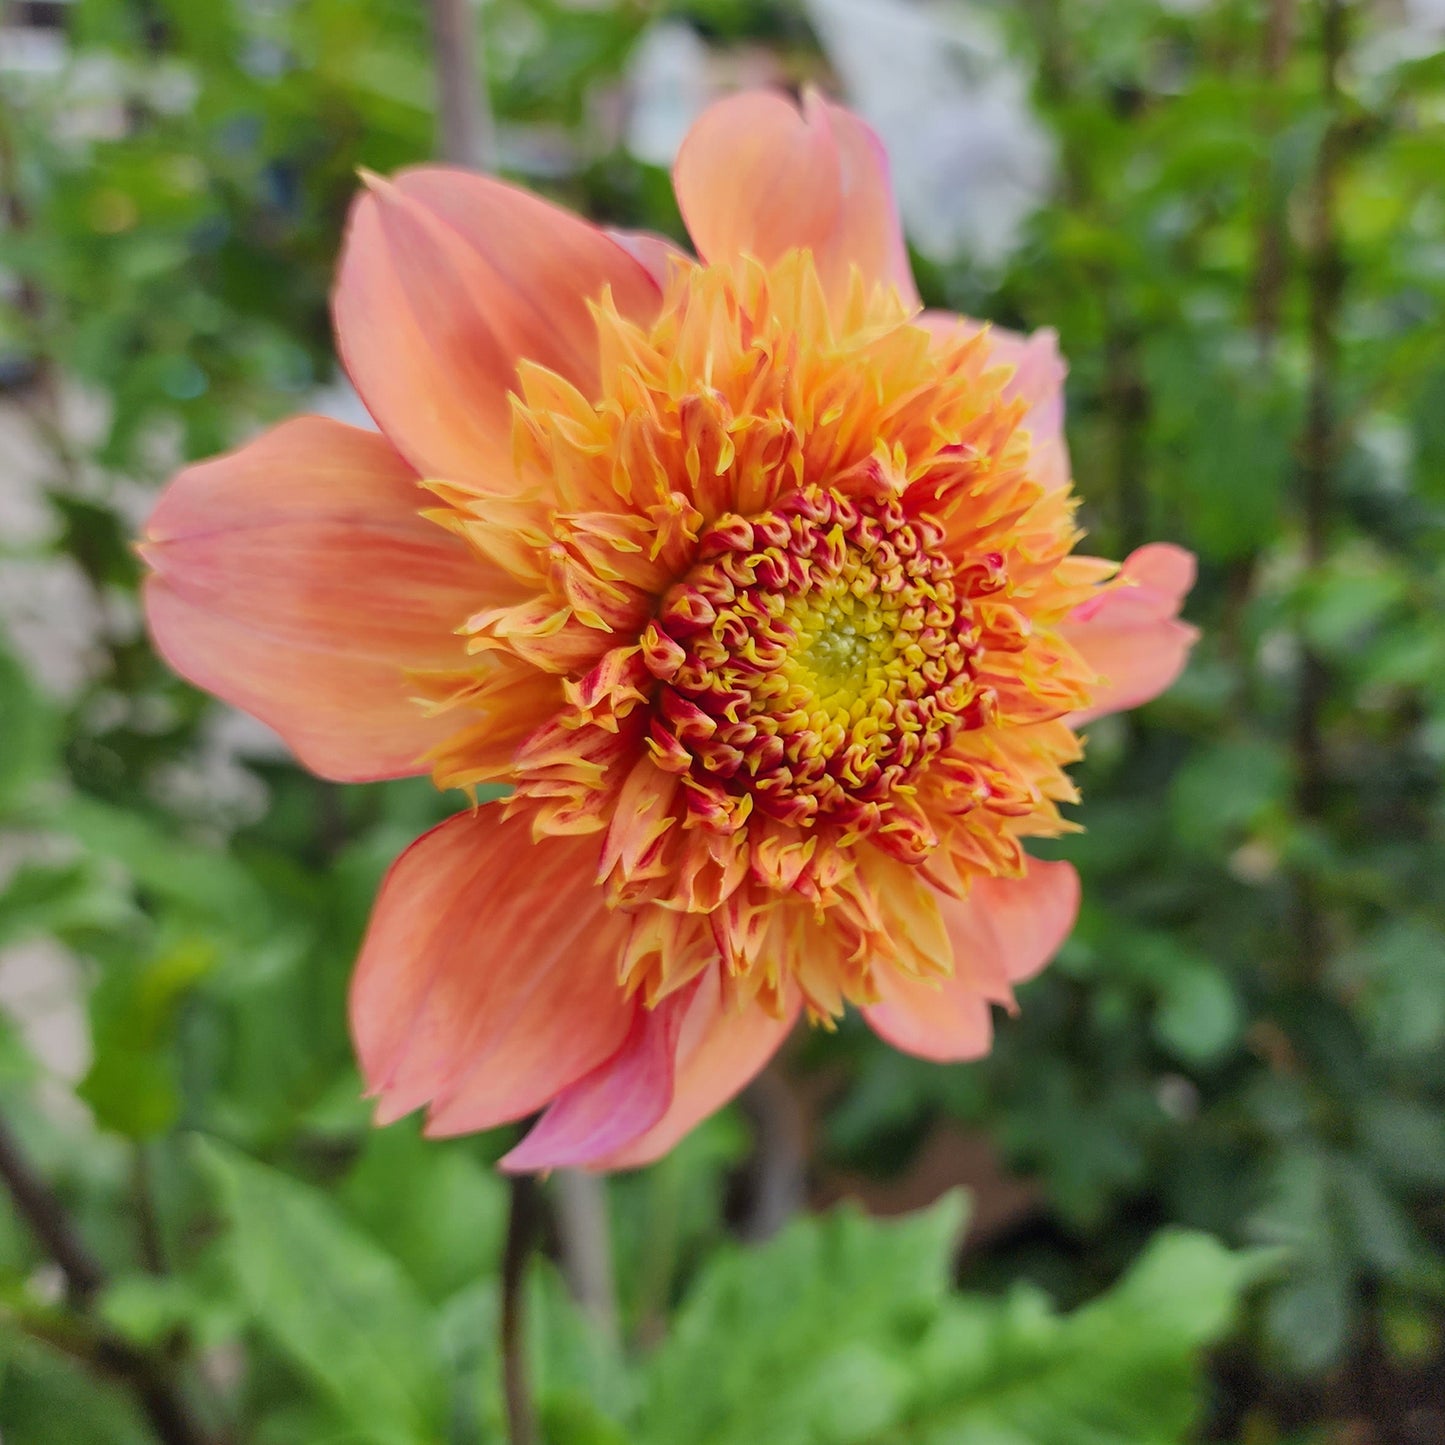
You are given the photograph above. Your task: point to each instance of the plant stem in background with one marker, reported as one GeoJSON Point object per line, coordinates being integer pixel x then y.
{"type": "Point", "coordinates": [464, 114]}
{"type": "Point", "coordinates": [41, 1209]}
{"type": "Point", "coordinates": [584, 1234]}
{"type": "Point", "coordinates": [1126, 396]}
{"type": "Point", "coordinates": [1319, 442]}
{"type": "Point", "coordinates": [1272, 244]}
{"type": "Point", "coordinates": [147, 1215]}
{"type": "Point", "coordinates": [522, 1221]}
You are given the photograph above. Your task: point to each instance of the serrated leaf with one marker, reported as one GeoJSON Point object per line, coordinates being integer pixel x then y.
{"type": "Point", "coordinates": [765, 1339]}
{"type": "Point", "coordinates": [1124, 1370]}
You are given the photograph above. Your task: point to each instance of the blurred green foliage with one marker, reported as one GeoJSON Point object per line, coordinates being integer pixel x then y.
{"type": "Point", "coordinates": [1244, 255]}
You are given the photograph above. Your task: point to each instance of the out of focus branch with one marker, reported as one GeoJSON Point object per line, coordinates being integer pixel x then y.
{"type": "Point", "coordinates": [40, 1207]}
{"type": "Point", "coordinates": [464, 114]}
{"type": "Point", "coordinates": [779, 1178]}
{"type": "Point", "coordinates": [585, 1237]}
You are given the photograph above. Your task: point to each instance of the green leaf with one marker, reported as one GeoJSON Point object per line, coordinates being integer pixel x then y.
{"type": "Point", "coordinates": [446, 1225]}
{"type": "Point", "coordinates": [205, 882]}
{"type": "Point", "coordinates": [1406, 1139]}
{"type": "Point", "coordinates": [149, 1308]}
{"type": "Point", "coordinates": [342, 1310]}
{"type": "Point", "coordinates": [131, 1082]}
{"type": "Point", "coordinates": [794, 1341]}
{"type": "Point", "coordinates": [47, 1400]}
{"type": "Point", "coordinates": [1225, 790]}
{"type": "Point", "coordinates": [27, 729]}
{"type": "Point", "coordinates": [1308, 1317]}
{"type": "Point", "coordinates": [1397, 970]}
{"type": "Point", "coordinates": [1199, 1016]}
{"type": "Point", "coordinates": [1124, 1370]}
{"type": "Point", "coordinates": [59, 901]}
{"type": "Point", "coordinates": [843, 1331]}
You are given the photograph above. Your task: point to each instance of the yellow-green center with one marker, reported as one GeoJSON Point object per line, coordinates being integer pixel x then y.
{"type": "Point", "coordinates": [819, 658]}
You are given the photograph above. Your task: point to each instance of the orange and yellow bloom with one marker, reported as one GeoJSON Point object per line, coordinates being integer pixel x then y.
{"type": "Point", "coordinates": [754, 582]}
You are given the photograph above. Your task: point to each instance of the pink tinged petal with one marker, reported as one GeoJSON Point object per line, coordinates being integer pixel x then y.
{"type": "Point", "coordinates": [1039, 374]}
{"type": "Point", "coordinates": [719, 1052]}
{"type": "Point", "coordinates": [1003, 933]}
{"type": "Point", "coordinates": [447, 280]}
{"type": "Point", "coordinates": [487, 983]}
{"type": "Point", "coordinates": [656, 254]}
{"type": "Point", "coordinates": [755, 177]}
{"type": "Point", "coordinates": [1130, 631]}
{"type": "Point", "coordinates": [1038, 380]}
{"type": "Point", "coordinates": [295, 579]}
{"type": "Point", "coordinates": [614, 1104]}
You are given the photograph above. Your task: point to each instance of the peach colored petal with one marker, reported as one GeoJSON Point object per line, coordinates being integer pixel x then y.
{"type": "Point", "coordinates": [720, 1050]}
{"type": "Point", "coordinates": [620, 1099]}
{"type": "Point", "coordinates": [447, 280]}
{"type": "Point", "coordinates": [1038, 379]}
{"type": "Point", "coordinates": [756, 177]}
{"type": "Point", "coordinates": [487, 981]}
{"type": "Point", "coordinates": [1003, 933]}
{"type": "Point", "coordinates": [1131, 634]}
{"type": "Point", "coordinates": [295, 579]}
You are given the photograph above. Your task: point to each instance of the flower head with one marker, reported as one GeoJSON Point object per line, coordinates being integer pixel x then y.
{"type": "Point", "coordinates": [754, 584]}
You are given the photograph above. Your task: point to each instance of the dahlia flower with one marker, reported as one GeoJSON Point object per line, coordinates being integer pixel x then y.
{"type": "Point", "coordinates": [753, 582]}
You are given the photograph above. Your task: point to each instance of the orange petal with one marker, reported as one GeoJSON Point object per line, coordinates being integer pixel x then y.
{"type": "Point", "coordinates": [1131, 634]}
{"type": "Point", "coordinates": [1038, 380]}
{"type": "Point", "coordinates": [620, 1099]}
{"type": "Point", "coordinates": [1004, 932]}
{"type": "Point", "coordinates": [295, 579]}
{"type": "Point", "coordinates": [720, 1050]}
{"type": "Point", "coordinates": [447, 280]}
{"type": "Point", "coordinates": [755, 177]}
{"type": "Point", "coordinates": [487, 981]}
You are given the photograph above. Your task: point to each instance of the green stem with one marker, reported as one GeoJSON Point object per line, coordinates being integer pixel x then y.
{"type": "Point", "coordinates": [522, 1222]}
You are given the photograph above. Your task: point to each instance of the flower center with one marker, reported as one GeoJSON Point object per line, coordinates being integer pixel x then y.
{"type": "Point", "coordinates": [815, 658]}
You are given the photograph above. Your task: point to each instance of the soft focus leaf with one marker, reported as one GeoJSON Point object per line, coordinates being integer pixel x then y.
{"type": "Point", "coordinates": [340, 1308]}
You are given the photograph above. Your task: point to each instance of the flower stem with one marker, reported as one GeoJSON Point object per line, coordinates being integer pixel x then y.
{"type": "Point", "coordinates": [522, 1221]}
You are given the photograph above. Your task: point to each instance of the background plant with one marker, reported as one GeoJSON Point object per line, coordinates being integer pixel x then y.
{"type": "Point", "coordinates": [1237, 227]}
